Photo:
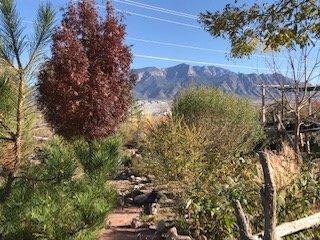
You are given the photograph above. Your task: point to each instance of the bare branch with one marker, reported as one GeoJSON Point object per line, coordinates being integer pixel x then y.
{"type": "Point", "coordinates": [268, 197]}
{"type": "Point", "coordinates": [243, 223]}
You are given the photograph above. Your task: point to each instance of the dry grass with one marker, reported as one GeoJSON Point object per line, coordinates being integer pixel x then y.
{"type": "Point", "coordinates": [135, 127]}
{"type": "Point", "coordinates": [284, 166]}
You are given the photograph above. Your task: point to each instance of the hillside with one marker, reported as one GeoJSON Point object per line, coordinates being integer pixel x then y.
{"type": "Point", "coordinates": [165, 83]}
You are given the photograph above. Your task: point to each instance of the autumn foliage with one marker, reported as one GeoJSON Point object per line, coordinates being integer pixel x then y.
{"type": "Point", "coordinates": [85, 87]}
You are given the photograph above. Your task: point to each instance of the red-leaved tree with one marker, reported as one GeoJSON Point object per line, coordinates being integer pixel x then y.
{"type": "Point", "coordinates": [85, 87]}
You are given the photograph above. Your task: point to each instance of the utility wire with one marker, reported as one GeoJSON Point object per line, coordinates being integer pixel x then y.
{"type": "Point", "coordinates": [176, 45]}
{"type": "Point", "coordinates": [195, 47]}
{"type": "Point", "coordinates": [159, 19]}
{"type": "Point", "coordinates": [198, 62]}
{"type": "Point", "coordinates": [158, 9]}
{"type": "Point", "coordinates": [165, 9]}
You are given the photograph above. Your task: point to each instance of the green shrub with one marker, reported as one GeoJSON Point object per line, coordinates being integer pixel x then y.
{"type": "Point", "coordinates": [106, 157]}
{"type": "Point", "coordinates": [220, 113]}
{"type": "Point", "coordinates": [301, 199]}
{"type": "Point", "coordinates": [174, 153]}
{"type": "Point", "coordinates": [55, 197]}
{"type": "Point", "coordinates": [204, 155]}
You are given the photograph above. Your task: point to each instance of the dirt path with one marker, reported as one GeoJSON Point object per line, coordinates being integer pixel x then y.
{"type": "Point", "coordinates": [132, 189]}
{"type": "Point", "coordinates": [119, 222]}
{"type": "Point", "coordinates": [119, 226]}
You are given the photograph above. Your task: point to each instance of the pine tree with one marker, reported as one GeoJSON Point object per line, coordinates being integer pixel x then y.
{"type": "Point", "coordinates": [16, 105]}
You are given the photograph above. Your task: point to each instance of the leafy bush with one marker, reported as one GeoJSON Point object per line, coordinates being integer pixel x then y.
{"type": "Point", "coordinates": [59, 196]}
{"type": "Point", "coordinates": [220, 113]}
{"type": "Point", "coordinates": [301, 199]}
{"type": "Point", "coordinates": [171, 152]}
{"type": "Point", "coordinates": [204, 154]}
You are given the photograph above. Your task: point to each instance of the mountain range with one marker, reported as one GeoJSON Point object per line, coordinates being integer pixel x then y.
{"type": "Point", "coordinates": [164, 83]}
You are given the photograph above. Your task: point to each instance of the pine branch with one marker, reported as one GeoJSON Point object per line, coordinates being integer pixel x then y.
{"type": "Point", "coordinates": [43, 30]}
{"type": "Point", "coordinates": [6, 139]}
{"type": "Point", "coordinates": [13, 39]}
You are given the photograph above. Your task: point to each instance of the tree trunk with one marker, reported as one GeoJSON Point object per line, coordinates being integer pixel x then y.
{"type": "Point", "coordinates": [243, 223]}
{"type": "Point", "coordinates": [91, 149]}
{"type": "Point", "coordinates": [17, 142]}
{"type": "Point", "coordinates": [5, 193]}
{"type": "Point", "coordinates": [19, 125]}
{"type": "Point", "coordinates": [284, 132]}
{"type": "Point", "coordinates": [297, 134]}
{"type": "Point", "coordinates": [268, 197]}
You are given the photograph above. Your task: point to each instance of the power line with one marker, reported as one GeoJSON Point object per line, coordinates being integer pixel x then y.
{"type": "Point", "coordinates": [159, 9]}
{"type": "Point", "coordinates": [159, 19]}
{"type": "Point", "coordinates": [197, 62]}
{"type": "Point", "coordinates": [165, 9]}
{"type": "Point", "coordinates": [154, 18]}
{"type": "Point", "coordinates": [177, 45]}
{"type": "Point", "coordinates": [195, 47]}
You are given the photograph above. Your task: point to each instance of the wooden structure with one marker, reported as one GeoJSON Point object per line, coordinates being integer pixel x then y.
{"type": "Point", "coordinates": [284, 89]}
{"type": "Point", "coordinates": [268, 194]}
{"type": "Point", "coordinates": [308, 125]}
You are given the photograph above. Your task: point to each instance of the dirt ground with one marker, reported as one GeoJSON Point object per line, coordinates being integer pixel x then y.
{"type": "Point", "coordinates": [118, 223]}
{"type": "Point", "coordinates": [119, 226]}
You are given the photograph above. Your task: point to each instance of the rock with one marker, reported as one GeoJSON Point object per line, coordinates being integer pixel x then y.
{"type": "Point", "coordinates": [172, 234]}
{"type": "Point", "coordinates": [132, 178]}
{"type": "Point", "coordinates": [136, 223]}
{"type": "Point", "coordinates": [138, 156]}
{"type": "Point", "coordinates": [137, 179]}
{"type": "Point", "coordinates": [183, 238]}
{"type": "Point", "coordinates": [144, 180]}
{"type": "Point", "coordinates": [131, 152]}
{"type": "Point", "coordinates": [128, 198]}
{"type": "Point", "coordinates": [133, 193]}
{"type": "Point", "coordinates": [138, 186]}
{"type": "Point", "coordinates": [151, 208]}
{"type": "Point", "coordinates": [139, 237]}
{"type": "Point", "coordinates": [151, 177]}
{"type": "Point", "coordinates": [152, 227]}
{"type": "Point", "coordinates": [149, 198]}
{"type": "Point", "coordinates": [161, 227]}
{"type": "Point", "coordinates": [125, 175]}
{"type": "Point", "coordinates": [121, 201]}
{"type": "Point", "coordinates": [122, 176]}
{"type": "Point", "coordinates": [155, 208]}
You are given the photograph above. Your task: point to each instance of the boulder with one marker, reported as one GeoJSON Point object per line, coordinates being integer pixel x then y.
{"type": "Point", "coordinates": [172, 234]}
{"type": "Point", "coordinates": [151, 208]}
{"type": "Point", "coordinates": [136, 223]}
{"type": "Point", "coordinates": [148, 198]}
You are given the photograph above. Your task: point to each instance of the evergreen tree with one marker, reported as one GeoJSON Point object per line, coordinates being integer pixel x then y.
{"type": "Point", "coordinates": [16, 105]}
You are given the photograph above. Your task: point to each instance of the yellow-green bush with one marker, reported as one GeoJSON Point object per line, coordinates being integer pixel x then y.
{"type": "Point", "coordinates": [204, 155]}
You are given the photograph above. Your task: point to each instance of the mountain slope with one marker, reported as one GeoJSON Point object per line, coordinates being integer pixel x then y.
{"type": "Point", "coordinates": [165, 83]}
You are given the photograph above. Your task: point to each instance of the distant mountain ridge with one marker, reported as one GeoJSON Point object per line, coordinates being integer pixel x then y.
{"type": "Point", "coordinates": [164, 83]}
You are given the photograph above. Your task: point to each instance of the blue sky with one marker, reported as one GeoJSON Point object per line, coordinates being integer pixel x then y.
{"type": "Point", "coordinates": [146, 34]}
